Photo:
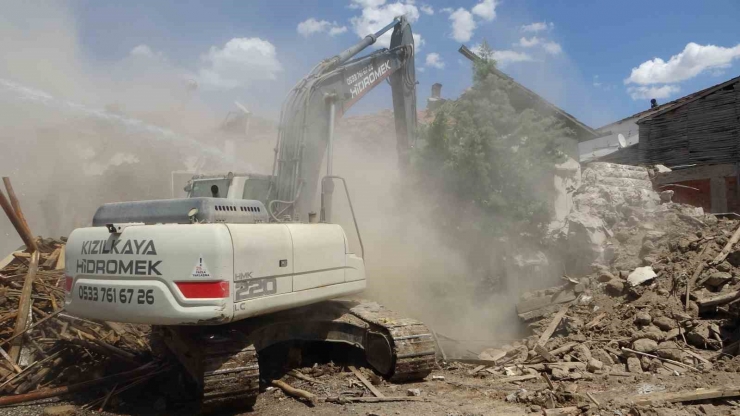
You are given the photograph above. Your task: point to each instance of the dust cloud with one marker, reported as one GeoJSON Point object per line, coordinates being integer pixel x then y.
{"type": "Point", "coordinates": [75, 135]}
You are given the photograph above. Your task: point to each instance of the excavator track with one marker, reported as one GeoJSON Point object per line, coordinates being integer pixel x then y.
{"type": "Point", "coordinates": [413, 349]}
{"type": "Point", "coordinates": [223, 363]}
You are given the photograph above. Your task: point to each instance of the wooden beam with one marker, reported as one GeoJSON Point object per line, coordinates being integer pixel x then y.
{"type": "Point", "coordinates": [553, 325]}
{"type": "Point", "coordinates": [61, 260]}
{"type": "Point", "coordinates": [728, 247]}
{"type": "Point", "coordinates": [695, 173]}
{"type": "Point", "coordinates": [24, 306]}
{"type": "Point", "coordinates": [366, 382]}
{"type": "Point", "coordinates": [718, 300]}
{"type": "Point", "coordinates": [688, 396]}
{"type": "Point", "coordinates": [539, 349]}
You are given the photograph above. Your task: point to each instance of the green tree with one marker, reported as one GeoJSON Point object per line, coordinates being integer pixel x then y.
{"type": "Point", "coordinates": [495, 162]}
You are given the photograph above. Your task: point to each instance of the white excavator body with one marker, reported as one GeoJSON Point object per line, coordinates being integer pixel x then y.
{"type": "Point", "coordinates": [206, 274]}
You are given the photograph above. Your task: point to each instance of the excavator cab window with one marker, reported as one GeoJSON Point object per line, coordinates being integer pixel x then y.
{"type": "Point", "coordinates": [256, 188]}
{"type": "Point", "coordinates": [210, 188]}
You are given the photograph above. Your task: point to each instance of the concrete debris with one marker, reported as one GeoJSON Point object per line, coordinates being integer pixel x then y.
{"type": "Point", "coordinates": [641, 275]}
{"type": "Point", "coordinates": [413, 392]}
{"type": "Point", "coordinates": [63, 410]}
{"type": "Point", "coordinates": [645, 345]}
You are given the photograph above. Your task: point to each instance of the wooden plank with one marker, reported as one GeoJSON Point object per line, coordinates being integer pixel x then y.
{"type": "Point", "coordinates": [543, 301]}
{"type": "Point", "coordinates": [24, 306]}
{"type": "Point", "coordinates": [728, 247]}
{"type": "Point", "coordinates": [718, 300]}
{"type": "Point", "coordinates": [596, 320]}
{"type": "Point", "coordinates": [61, 260]}
{"type": "Point", "coordinates": [688, 396]}
{"type": "Point", "coordinates": [553, 325]}
{"type": "Point", "coordinates": [477, 369]}
{"type": "Point", "coordinates": [513, 379]}
{"type": "Point", "coordinates": [366, 382]}
{"type": "Point", "coordinates": [539, 349]}
{"type": "Point", "coordinates": [52, 259]}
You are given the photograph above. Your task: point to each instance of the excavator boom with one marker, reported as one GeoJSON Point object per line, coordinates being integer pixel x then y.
{"type": "Point", "coordinates": [308, 115]}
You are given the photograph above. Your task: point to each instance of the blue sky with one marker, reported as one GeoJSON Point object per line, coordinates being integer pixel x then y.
{"type": "Point", "coordinates": [599, 60]}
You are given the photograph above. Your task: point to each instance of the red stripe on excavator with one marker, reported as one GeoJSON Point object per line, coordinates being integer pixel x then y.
{"type": "Point", "coordinates": [204, 290]}
{"type": "Point", "coordinates": [350, 103]}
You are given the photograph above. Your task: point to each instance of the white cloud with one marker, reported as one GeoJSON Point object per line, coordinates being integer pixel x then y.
{"type": "Point", "coordinates": [447, 10]}
{"type": "Point", "coordinates": [361, 4]}
{"type": "Point", "coordinates": [645, 93]}
{"type": "Point", "coordinates": [692, 61]}
{"type": "Point", "coordinates": [426, 9]}
{"type": "Point", "coordinates": [310, 26]}
{"type": "Point", "coordinates": [506, 57]}
{"type": "Point", "coordinates": [553, 48]}
{"type": "Point", "coordinates": [142, 50]}
{"type": "Point", "coordinates": [240, 62]}
{"type": "Point", "coordinates": [420, 69]}
{"type": "Point", "coordinates": [463, 25]}
{"type": "Point", "coordinates": [537, 27]}
{"type": "Point", "coordinates": [486, 9]}
{"type": "Point", "coordinates": [434, 60]}
{"type": "Point", "coordinates": [528, 43]}
{"type": "Point", "coordinates": [337, 30]}
{"type": "Point", "coordinates": [376, 14]}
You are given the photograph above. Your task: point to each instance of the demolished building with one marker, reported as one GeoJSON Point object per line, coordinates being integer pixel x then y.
{"type": "Point", "coordinates": [696, 136]}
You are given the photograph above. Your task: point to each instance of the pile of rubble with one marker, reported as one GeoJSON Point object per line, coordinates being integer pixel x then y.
{"type": "Point", "coordinates": [45, 352]}
{"type": "Point", "coordinates": [58, 353]}
{"type": "Point", "coordinates": [662, 297]}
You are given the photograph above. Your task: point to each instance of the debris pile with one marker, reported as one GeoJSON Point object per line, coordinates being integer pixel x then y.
{"type": "Point", "coordinates": [45, 352]}
{"type": "Point", "coordinates": [669, 307]}
{"type": "Point", "coordinates": [58, 353]}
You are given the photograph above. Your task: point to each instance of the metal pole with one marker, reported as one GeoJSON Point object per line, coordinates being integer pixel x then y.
{"type": "Point", "coordinates": [328, 188]}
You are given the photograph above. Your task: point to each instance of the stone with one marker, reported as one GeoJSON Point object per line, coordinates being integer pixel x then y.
{"type": "Point", "coordinates": [615, 288]}
{"type": "Point", "coordinates": [684, 245]}
{"type": "Point", "coordinates": [64, 410]}
{"type": "Point", "coordinates": [734, 258]}
{"type": "Point", "coordinates": [666, 196]}
{"type": "Point", "coordinates": [413, 392]}
{"type": "Point", "coordinates": [700, 336]}
{"type": "Point", "coordinates": [648, 246]}
{"type": "Point", "coordinates": [579, 288]}
{"type": "Point", "coordinates": [633, 365]}
{"type": "Point", "coordinates": [645, 363]}
{"type": "Point", "coordinates": [665, 323]}
{"type": "Point", "coordinates": [605, 277]}
{"type": "Point", "coordinates": [581, 352]}
{"type": "Point", "coordinates": [643, 318]}
{"type": "Point", "coordinates": [718, 279]}
{"type": "Point", "coordinates": [641, 275]}
{"type": "Point", "coordinates": [670, 350]}
{"type": "Point", "coordinates": [559, 374]}
{"type": "Point", "coordinates": [724, 267]}
{"type": "Point", "coordinates": [645, 345]}
{"type": "Point", "coordinates": [594, 365]}
{"type": "Point", "coordinates": [603, 356]}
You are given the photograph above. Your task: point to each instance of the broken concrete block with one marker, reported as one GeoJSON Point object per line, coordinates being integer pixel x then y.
{"type": "Point", "coordinates": [605, 277]}
{"type": "Point", "coordinates": [413, 392]}
{"type": "Point", "coordinates": [724, 267]}
{"type": "Point", "coordinates": [718, 279]}
{"type": "Point", "coordinates": [701, 336]}
{"type": "Point", "coordinates": [670, 350]}
{"type": "Point", "coordinates": [666, 196]}
{"type": "Point", "coordinates": [579, 288]}
{"type": "Point", "coordinates": [643, 318]}
{"type": "Point", "coordinates": [641, 275]}
{"type": "Point", "coordinates": [645, 363]}
{"type": "Point", "coordinates": [64, 410]}
{"type": "Point", "coordinates": [645, 345]}
{"type": "Point", "coordinates": [615, 288]}
{"type": "Point", "coordinates": [559, 374]}
{"type": "Point", "coordinates": [633, 365]}
{"type": "Point", "coordinates": [603, 356]}
{"type": "Point", "coordinates": [594, 365]}
{"type": "Point", "coordinates": [581, 352]}
{"type": "Point", "coordinates": [665, 323]}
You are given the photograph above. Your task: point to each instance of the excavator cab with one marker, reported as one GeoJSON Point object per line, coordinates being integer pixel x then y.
{"type": "Point", "coordinates": [230, 186]}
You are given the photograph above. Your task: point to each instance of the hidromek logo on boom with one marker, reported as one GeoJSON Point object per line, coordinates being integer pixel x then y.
{"type": "Point", "coordinates": [131, 267]}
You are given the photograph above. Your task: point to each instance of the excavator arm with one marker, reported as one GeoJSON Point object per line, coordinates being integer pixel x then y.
{"type": "Point", "coordinates": [312, 107]}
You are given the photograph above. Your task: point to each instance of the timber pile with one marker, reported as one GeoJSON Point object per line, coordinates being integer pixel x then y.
{"type": "Point", "coordinates": [51, 353]}
{"type": "Point", "coordinates": [678, 313]}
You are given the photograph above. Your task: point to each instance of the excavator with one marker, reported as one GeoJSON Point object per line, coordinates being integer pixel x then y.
{"type": "Point", "coordinates": [245, 262]}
